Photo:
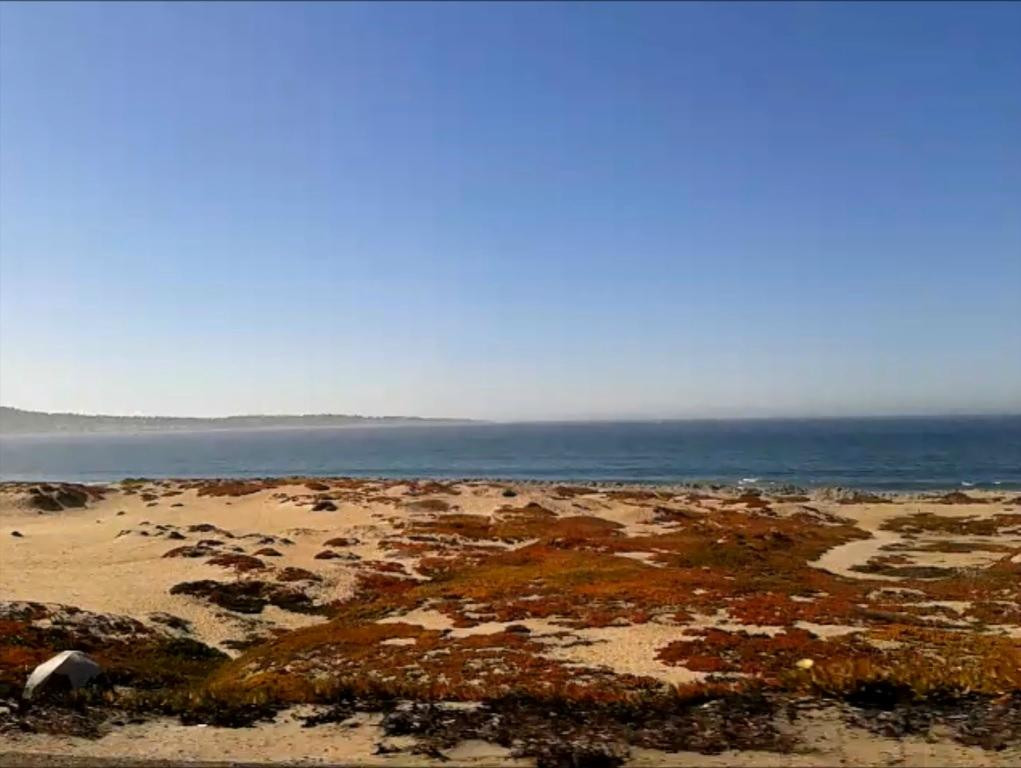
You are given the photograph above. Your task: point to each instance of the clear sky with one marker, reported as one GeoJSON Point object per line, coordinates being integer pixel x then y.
{"type": "Point", "coordinates": [511, 210]}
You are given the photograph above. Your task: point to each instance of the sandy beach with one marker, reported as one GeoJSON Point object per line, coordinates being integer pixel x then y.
{"type": "Point", "coordinates": [365, 584]}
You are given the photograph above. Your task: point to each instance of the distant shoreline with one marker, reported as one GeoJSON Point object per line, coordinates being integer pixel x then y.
{"type": "Point", "coordinates": [16, 421]}
{"type": "Point", "coordinates": [198, 430]}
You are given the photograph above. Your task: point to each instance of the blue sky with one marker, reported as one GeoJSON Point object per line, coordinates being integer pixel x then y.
{"type": "Point", "coordinates": [511, 210]}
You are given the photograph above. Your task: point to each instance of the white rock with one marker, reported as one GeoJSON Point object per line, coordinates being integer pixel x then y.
{"type": "Point", "coordinates": [74, 665]}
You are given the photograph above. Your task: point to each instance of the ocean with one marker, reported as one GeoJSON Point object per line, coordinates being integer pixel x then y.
{"type": "Point", "coordinates": [880, 453]}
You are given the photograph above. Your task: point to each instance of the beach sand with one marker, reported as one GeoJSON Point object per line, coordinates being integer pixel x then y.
{"type": "Point", "coordinates": [110, 557]}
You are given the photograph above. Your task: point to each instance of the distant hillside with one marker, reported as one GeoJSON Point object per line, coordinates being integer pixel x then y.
{"type": "Point", "coordinates": [16, 421]}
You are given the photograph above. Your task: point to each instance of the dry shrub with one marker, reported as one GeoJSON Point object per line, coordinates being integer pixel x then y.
{"type": "Point", "coordinates": [863, 497]}
{"type": "Point", "coordinates": [636, 495]}
{"type": "Point", "coordinates": [235, 487]}
{"type": "Point", "coordinates": [959, 497]}
{"type": "Point", "coordinates": [674, 515]}
{"type": "Point", "coordinates": [240, 563]}
{"type": "Point", "coordinates": [750, 499]}
{"type": "Point", "coordinates": [531, 511]}
{"type": "Point", "coordinates": [249, 596]}
{"type": "Point", "coordinates": [189, 550]}
{"type": "Point", "coordinates": [340, 541]}
{"type": "Point", "coordinates": [571, 491]}
{"type": "Point", "coordinates": [382, 566]}
{"type": "Point", "coordinates": [467, 526]}
{"type": "Point", "coordinates": [431, 488]}
{"type": "Point", "coordinates": [959, 547]}
{"type": "Point", "coordinates": [429, 505]}
{"type": "Point", "coordinates": [292, 573]}
{"type": "Point", "coordinates": [927, 522]}
{"type": "Point", "coordinates": [929, 663]}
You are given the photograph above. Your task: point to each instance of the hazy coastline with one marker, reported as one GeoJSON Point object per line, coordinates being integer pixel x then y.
{"type": "Point", "coordinates": [17, 421]}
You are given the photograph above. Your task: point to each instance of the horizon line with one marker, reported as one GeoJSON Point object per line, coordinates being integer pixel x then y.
{"type": "Point", "coordinates": [546, 420]}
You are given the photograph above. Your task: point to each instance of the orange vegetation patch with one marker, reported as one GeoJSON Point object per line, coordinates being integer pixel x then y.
{"type": "Point", "coordinates": [927, 522]}
{"type": "Point", "coordinates": [572, 573]}
{"type": "Point", "coordinates": [922, 661]}
{"type": "Point", "coordinates": [517, 524]}
{"type": "Point", "coordinates": [738, 562]}
{"type": "Point", "coordinates": [425, 665]}
{"type": "Point", "coordinates": [438, 567]}
{"type": "Point", "coordinates": [378, 591]}
{"type": "Point", "coordinates": [840, 604]}
{"type": "Point", "coordinates": [715, 650]}
{"type": "Point", "coordinates": [572, 570]}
